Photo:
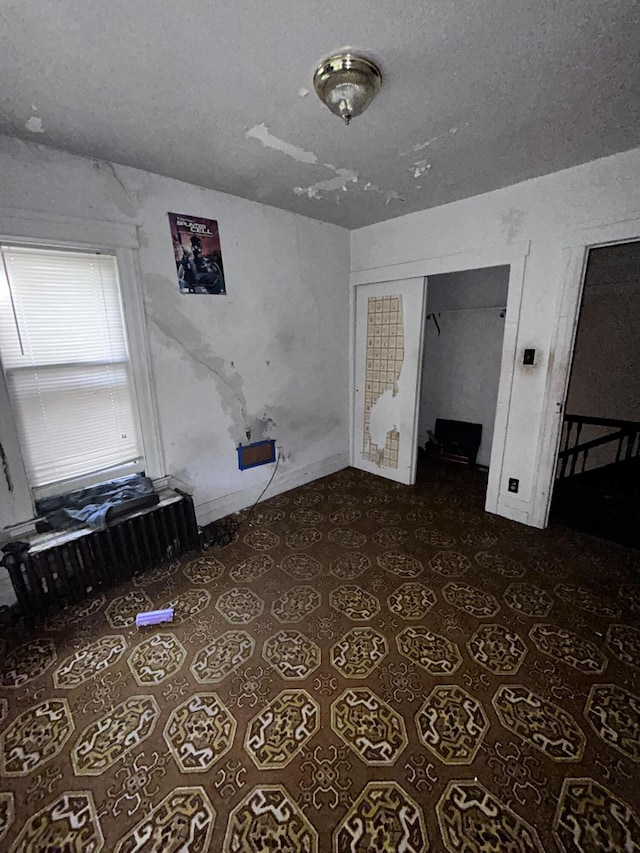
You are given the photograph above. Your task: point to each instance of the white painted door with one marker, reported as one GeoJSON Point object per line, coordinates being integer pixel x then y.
{"type": "Point", "coordinates": [388, 358]}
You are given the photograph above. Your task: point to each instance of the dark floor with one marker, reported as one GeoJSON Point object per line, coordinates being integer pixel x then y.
{"type": "Point", "coordinates": [369, 667]}
{"type": "Point", "coordinates": [604, 502]}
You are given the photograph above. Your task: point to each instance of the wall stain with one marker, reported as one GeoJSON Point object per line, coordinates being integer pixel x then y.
{"type": "Point", "coordinates": [4, 464]}
{"type": "Point", "coordinates": [141, 235]}
{"type": "Point", "coordinates": [511, 221]}
{"type": "Point", "coordinates": [183, 479]}
{"type": "Point", "coordinates": [183, 337]}
{"type": "Point", "coordinates": [302, 423]}
{"type": "Point", "coordinates": [127, 202]}
{"type": "Point", "coordinates": [286, 340]}
{"type": "Point", "coordinates": [261, 428]}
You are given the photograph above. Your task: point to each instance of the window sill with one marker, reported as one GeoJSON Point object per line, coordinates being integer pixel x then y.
{"type": "Point", "coordinates": [62, 487]}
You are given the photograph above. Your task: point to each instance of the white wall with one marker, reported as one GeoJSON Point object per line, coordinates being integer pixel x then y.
{"type": "Point", "coordinates": [461, 365]}
{"type": "Point", "coordinates": [271, 357]}
{"type": "Point", "coordinates": [543, 211]}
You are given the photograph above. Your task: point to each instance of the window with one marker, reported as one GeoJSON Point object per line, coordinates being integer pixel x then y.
{"type": "Point", "coordinates": [64, 351]}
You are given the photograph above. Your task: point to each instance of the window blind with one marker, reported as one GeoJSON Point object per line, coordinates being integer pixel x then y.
{"type": "Point", "coordinates": [64, 352]}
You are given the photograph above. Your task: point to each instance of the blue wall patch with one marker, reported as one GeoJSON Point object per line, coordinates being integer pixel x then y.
{"type": "Point", "coordinates": [257, 453]}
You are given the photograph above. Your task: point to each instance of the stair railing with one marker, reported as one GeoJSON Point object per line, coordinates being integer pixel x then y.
{"type": "Point", "coordinates": [574, 455]}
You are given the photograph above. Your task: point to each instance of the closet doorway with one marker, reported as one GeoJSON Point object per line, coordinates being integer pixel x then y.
{"type": "Point", "coordinates": [389, 311]}
{"type": "Point", "coordinates": [462, 356]}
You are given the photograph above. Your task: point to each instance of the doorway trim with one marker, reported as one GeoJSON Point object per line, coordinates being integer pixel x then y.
{"type": "Point", "coordinates": [514, 256]}
{"type": "Point", "coordinates": [576, 252]}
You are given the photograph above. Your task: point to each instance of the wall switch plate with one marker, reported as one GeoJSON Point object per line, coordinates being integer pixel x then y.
{"type": "Point", "coordinates": [529, 356]}
{"type": "Point", "coordinates": [514, 484]}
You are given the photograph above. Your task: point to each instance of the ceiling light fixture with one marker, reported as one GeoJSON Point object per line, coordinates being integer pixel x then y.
{"type": "Point", "coordinates": [347, 83]}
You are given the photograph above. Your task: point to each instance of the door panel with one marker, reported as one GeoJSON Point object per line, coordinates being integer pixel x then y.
{"type": "Point", "coordinates": [388, 356]}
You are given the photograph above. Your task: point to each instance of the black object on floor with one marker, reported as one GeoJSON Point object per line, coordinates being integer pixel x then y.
{"type": "Point", "coordinates": [457, 441]}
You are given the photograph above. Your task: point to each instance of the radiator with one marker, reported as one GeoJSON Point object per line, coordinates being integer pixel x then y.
{"type": "Point", "coordinates": [68, 567]}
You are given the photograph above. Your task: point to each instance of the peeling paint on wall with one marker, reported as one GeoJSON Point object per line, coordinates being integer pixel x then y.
{"type": "Point", "coordinates": [34, 125]}
{"type": "Point", "coordinates": [261, 133]}
{"type": "Point", "coordinates": [384, 361]}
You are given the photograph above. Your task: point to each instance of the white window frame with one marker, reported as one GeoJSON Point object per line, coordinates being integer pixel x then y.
{"type": "Point", "coordinates": [17, 511]}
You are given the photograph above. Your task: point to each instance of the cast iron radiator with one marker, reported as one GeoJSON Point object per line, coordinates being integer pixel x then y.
{"type": "Point", "coordinates": [49, 576]}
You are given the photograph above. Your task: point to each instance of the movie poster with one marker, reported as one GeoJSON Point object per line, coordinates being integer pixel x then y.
{"type": "Point", "coordinates": [196, 246]}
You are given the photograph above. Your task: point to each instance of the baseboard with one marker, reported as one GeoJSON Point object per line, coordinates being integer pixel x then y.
{"type": "Point", "coordinates": [219, 507]}
{"type": "Point", "coordinates": [514, 509]}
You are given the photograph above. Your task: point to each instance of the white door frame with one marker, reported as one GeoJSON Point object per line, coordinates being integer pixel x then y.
{"type": "Point", "coordinates": [576, 252]}
{"type": "Point", "coordinates": [513, 256]}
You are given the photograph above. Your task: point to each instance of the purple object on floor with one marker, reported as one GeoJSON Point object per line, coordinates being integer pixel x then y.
{"type": "Point", "coordinates": [152, 617]}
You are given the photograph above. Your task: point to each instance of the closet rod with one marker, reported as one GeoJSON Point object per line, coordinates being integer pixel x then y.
{"type": "Point", "coordinates": [455, 310]}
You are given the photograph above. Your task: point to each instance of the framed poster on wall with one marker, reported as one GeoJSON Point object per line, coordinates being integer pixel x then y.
{"type": "Point", "coordinates": [198, 255]}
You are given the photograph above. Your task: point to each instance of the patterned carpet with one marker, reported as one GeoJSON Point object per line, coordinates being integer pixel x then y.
{"type": "Point", "coordinates": [369, 667]}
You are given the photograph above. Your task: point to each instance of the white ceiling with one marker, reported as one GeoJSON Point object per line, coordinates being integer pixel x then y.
{"type": "Point", "coordinates": [477, 94]}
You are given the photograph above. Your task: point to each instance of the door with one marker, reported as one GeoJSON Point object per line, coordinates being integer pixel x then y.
{"type": "Point", "coordinates": [388, 358]}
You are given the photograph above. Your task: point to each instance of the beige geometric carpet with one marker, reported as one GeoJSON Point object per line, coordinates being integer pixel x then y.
{"type": "Point", "coordinates": [369, 667]}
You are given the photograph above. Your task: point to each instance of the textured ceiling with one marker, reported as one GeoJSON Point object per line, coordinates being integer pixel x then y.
{"type": "Point", "coordinates": [477, 94]}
